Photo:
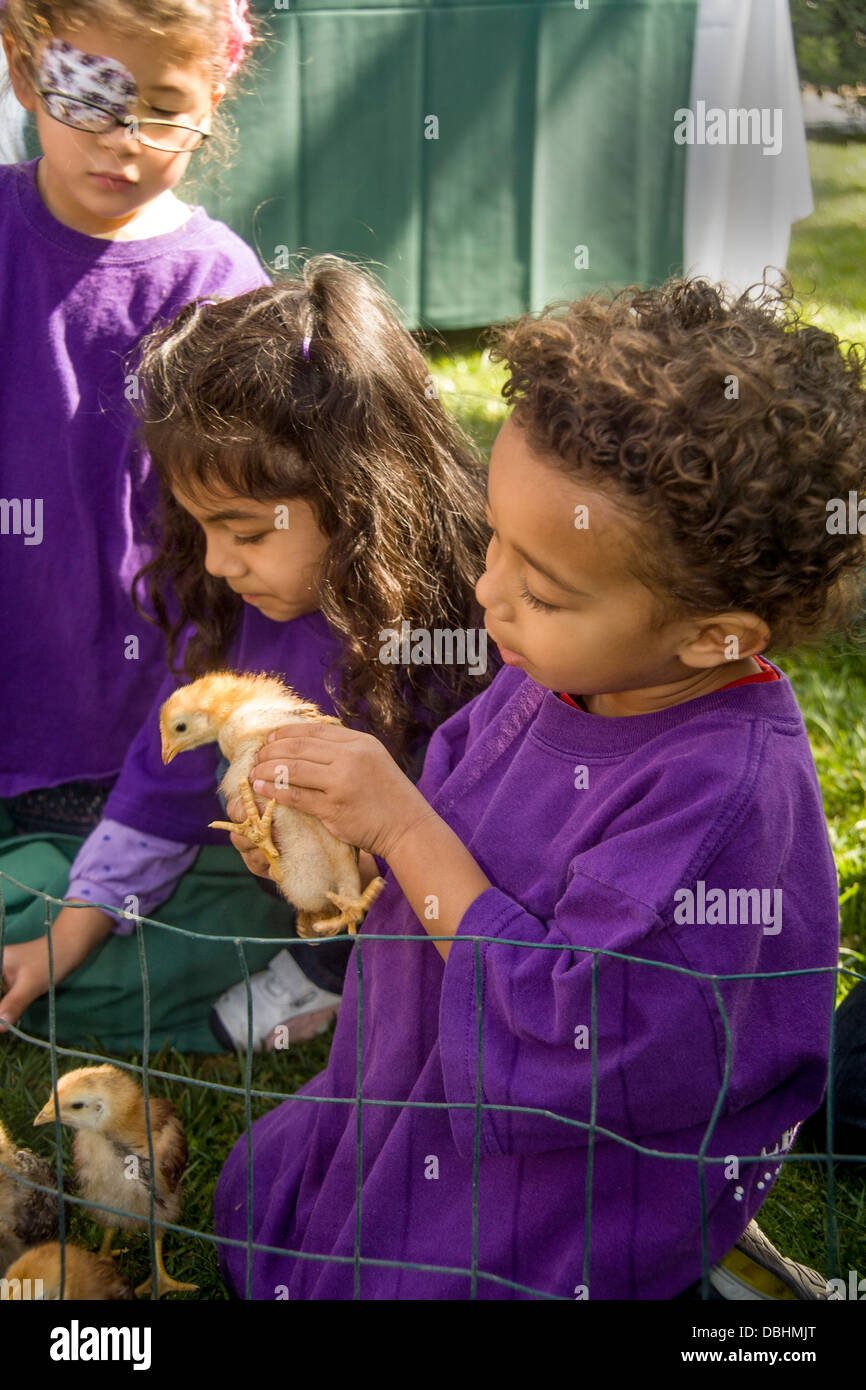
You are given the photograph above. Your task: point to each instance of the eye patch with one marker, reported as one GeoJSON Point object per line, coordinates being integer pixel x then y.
{"type": "Point", "coordinates": [87, 77]}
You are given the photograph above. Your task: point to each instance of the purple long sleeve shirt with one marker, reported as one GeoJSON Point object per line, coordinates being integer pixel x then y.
{"type": "Point", "coordinates": [596, 833]}
{"type": "Point", "coordinates": [80, 667]}
{"type": "Point", "coordinates": [117, 863]}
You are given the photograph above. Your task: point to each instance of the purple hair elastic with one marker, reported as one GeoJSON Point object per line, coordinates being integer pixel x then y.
{"type": "Point", "coordinates": [307, 342]}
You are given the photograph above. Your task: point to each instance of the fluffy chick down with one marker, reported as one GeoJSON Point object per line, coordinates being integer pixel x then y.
{"type": "Point", "coordinates": [315, 871]}
{"type": "Point", "coordinates": [27, 1216]}
{"type": "Point", "coordinates": [105, 1106]}
{"type": "Point", "coordinates": [89, 1277]}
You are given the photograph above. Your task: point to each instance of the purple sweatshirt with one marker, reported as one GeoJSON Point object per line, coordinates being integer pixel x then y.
{"type": "Point", "coordinates": [77, 491]}
{"type": "Point", "coordinates": [155, 813]}
{"type": "Point", "coordinates": [638, 835]}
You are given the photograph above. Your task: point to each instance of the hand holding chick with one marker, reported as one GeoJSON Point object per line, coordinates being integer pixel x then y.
{"type": "Point", "coordinates": [315, 870]}
{"type": "Point", "coordinates": [346, 779]}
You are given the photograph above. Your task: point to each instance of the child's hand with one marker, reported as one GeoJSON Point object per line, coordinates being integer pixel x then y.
{"type": "Point", "coordinates": [75, 933]}
{"type": "Point", "coordinates": [25, 977]}
{"type": "Point", "coordinates": [345, 778]}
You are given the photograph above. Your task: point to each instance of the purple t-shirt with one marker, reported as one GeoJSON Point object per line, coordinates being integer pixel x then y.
{"type": "Point", "coordinates": [597, 833]}
{"type": "Point", "coordinates": [80, 667]}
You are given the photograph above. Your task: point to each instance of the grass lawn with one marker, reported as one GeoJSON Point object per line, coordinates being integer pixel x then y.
{"type": "Point", "coordinates": [828, 251]}
{"type": "Point", "coordinates": [827, 256]}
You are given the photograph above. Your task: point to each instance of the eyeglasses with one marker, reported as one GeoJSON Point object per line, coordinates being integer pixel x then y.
{"type": "Point", "coordinates": [86, 115]}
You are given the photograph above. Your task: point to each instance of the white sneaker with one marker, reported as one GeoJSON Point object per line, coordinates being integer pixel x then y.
{"type": "Point", "coordinates": [280, 994]}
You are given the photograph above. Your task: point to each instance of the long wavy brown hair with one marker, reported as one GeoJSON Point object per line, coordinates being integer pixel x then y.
{"type": "Point", "coordinates": [729, 423]}
{"type": "Point", "coordinates": [229, 401]}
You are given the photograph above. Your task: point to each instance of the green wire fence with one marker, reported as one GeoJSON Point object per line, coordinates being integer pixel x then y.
{"type": "Point", "coordinates": [249, 1092]}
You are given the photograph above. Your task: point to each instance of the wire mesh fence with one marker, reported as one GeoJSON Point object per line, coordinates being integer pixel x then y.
{"type": "Point", "coordinates": [248, 1093]}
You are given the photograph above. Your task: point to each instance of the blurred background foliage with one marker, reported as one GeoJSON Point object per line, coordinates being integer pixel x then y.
{"type": "Point", "coordinates": [830, 37]}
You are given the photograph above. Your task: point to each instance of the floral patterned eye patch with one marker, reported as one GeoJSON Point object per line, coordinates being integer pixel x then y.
{"type": "Point", "coordinates": [87, 77]}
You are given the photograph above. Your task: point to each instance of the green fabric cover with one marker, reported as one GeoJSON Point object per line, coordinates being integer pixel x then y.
{"type": "Point", "coordinates": [103, 999]}
{"type": "Point", "coordinates": [555, 130]}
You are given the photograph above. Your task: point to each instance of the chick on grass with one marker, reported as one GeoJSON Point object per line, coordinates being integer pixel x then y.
{"type": "Point", "coordinates": [88, 1277]}
{"type": "Point", "coordinates": [112, 1166]}
{"type": "Point", "coordinates": [27, 1216]}
{"type": "Point", "coordinates": [312, 868]}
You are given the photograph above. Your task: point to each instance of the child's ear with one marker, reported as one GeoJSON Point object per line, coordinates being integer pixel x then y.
{"type": "Point", "coordinates": [217, 95]}
{"type": "Point", "coordinates": [19, 74]}
{"type": "Point", "coordinates": [725, 637]}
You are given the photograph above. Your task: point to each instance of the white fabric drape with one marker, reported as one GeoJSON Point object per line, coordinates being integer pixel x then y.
{"type": "Point", "coordinates": [13, 118]}
{"type": "Point", "coordinates": [740, 203]}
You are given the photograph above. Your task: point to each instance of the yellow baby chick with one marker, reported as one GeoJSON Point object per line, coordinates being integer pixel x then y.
{"type": "Point", "coordinates": [27, 1216]}
{"type": "Point", "coordinates": [89, 1277]}
{"type": "Point", "coordinates": [105, 1107]}
{"type": "Point", "coordinates": [312, 868]}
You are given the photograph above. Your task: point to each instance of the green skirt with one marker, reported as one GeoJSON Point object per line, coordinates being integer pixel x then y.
{"type": "Point", "coordinates": [104, 1001]}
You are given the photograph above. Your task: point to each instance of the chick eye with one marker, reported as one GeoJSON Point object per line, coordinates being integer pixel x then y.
{"type": "Point", "coordinates": [77, 1105]}
{"type": "Point", "coordinates": [537, 602]}
{"type": "Point", "coordinates": [180, 728]}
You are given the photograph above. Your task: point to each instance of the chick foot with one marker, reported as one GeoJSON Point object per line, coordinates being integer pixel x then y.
{"type": "Point", "coordinates": [164, 1282]}
{"type": "Point", "coordinates": [256, 827]}
{"type": "Point", "coordinates": [106, 1248]}
{"type": "Point", "coordinates": [352, 912]}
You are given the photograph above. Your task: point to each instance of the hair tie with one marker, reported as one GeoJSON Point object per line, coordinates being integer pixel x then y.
{"type": "Point", "coordinates": [307, 342]}
{"type": "Point", "coordinates": [240, 35]}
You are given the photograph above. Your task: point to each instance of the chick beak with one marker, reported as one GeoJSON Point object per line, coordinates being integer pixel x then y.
{"type": "Point", "coordinates": [46, 1114]}
{"type": "Point", "coordinates": [169, 751]}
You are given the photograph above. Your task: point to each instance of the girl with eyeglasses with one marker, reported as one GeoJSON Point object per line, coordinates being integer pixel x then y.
{"type": "Point", "coordinates": [96, 250]}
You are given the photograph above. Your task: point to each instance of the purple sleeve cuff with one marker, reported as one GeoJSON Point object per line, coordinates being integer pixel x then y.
{"type": "Point", "coordinates": [458, 1022]}
{"type": "Point", "coordinates": [122, 868]}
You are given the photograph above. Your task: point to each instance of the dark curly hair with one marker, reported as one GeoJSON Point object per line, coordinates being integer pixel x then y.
{"type": "Point", "coordinates": [728, 424]}
{"type": "Point", "coordinates": [229, 400]}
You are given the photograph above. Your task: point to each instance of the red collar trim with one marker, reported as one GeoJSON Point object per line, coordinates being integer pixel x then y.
{"type": "Point", "coordinates": [766, 673]}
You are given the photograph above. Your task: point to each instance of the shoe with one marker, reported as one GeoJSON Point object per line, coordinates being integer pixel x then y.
{"type": "Point", "coordinates": [280, 994]}
{"type": "Point", "coordinates": [754, 1271]}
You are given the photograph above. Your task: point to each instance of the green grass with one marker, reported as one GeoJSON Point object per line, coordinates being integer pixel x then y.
{"type": "Point", "coordinates": [830, 686]}
{"type": "Point", "coordinates": [470, 385]}
{"type": "Point", "coordinates": [826, 262]}
{"type": "Point", "coordinates": [828, 249]}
